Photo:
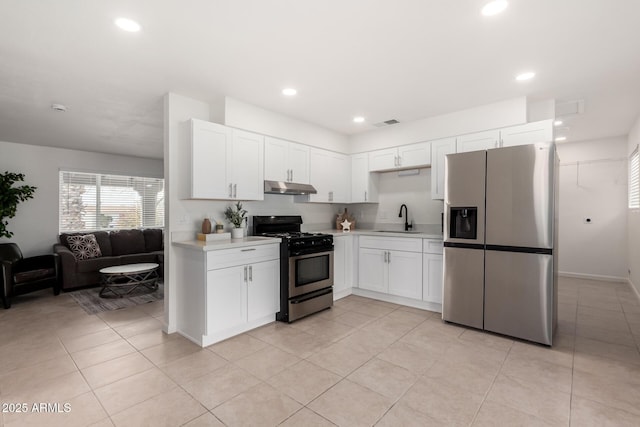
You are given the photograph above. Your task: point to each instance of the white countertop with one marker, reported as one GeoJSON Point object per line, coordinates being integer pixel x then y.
{"type": "Point", "coordinates": [215, 245]}
{"type": "Point", "coordinates": [426, 234]}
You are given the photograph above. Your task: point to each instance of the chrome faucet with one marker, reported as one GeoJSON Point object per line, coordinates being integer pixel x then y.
{"type": "Point", "coordinates": [407, 226]}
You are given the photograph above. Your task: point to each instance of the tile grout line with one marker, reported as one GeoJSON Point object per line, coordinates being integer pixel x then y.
{"type": "Point", "coordinates": [486, 393]}
{"type": "Point", "coordinates": [573, 356]}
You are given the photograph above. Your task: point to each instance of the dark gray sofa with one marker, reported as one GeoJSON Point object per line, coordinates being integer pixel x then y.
{"type": "Point", "coordinates": [118, 247]}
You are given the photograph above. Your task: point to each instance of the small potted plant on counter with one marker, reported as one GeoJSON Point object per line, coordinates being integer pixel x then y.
{"type": "Point", "coordinates": [236, 216]}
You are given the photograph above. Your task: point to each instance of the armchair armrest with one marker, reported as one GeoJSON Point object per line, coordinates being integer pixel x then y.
{"type": "Point", "coordinates": [35, 263]}
{"type": "Point", "coordinates": [6, 277]}
{"type": "Point", "coordinates": [67, 265]}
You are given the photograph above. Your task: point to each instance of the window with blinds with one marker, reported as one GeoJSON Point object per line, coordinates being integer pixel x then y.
{"type": "Point", "coordinates": [634, 180]}
{"type": "Point", "coordinates": [90, 201]}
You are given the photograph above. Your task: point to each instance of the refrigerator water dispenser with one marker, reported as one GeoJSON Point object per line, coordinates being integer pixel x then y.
{"type": "Point", "coordinates": [464, 223]}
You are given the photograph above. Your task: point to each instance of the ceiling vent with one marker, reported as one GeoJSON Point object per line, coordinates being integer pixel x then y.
{"type": "Point", "coordinates": [386, 123]}
{"type": "Point", "coordinates": [569, 108]}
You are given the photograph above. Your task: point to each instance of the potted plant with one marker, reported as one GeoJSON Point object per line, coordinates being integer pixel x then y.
{"type": "Point", "coordinates": [236, 216]}
{"type": "Point", "coordinates": [10, 196]}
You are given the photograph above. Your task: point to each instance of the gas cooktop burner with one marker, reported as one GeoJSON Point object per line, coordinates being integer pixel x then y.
{"type": "Point", "coordinates": [292, 235]}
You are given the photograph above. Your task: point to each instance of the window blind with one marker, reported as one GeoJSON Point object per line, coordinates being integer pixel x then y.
{"type": "Point", "coordinates": [634, 180]}
{"type": "Point", "coordinates": [91, 201]}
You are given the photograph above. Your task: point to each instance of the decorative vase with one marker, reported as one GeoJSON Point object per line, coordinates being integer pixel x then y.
{"type": "Point", "coordinates": [206, 226]}
{"type": "Point", "coordinates": [237, 233]}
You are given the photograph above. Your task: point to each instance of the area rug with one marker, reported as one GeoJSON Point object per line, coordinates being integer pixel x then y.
{"type": "Point", "coordinates": [90, 302]}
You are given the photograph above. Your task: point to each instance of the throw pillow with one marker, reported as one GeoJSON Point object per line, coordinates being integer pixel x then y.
{"type": "Point", "coordinates": [84, 246]}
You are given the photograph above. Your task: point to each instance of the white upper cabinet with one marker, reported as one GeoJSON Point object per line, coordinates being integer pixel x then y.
{"type": "Point", "coordinates": [330, 174]}
{"type": "Point", "coordinates": [478, 141]}
{"type": "Point", "coordinates": [439, 149]}
{"type": "Point", "coordinates": [364, 185]}
{"type": "Point", "coordinates": [406, 156]}
{"type": "Point", "coordinates": [247, 167]}
{"type": "Point", "coordinates": [415, 155]}
{"type": "Point", "coordinates": [286, 161]}
{"type": "Point", "coordinates": [226, 163]}
{"type": "Point", "coordinates": [210, 160]}
{"type": "Point", "coordinates": [529, 133]}
{"type": "Point", "coordinates": [381, 160]}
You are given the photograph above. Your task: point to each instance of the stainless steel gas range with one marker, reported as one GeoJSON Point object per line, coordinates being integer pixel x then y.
{"type": "Point", "coordinates": [306, 266]}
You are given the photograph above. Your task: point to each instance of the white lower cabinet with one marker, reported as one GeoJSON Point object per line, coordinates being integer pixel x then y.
{"type": "Point", "coordinates": [432, 271]}
{"type": "Point", "coordinates": [405, 274]}
{"type": "Point", "coordinates": [241, 294]}
{"type": "Point", "coordinates": [342, 265]}
{"type": "Point", "coordinates": [391, 265]}
{"type": "Point", "coordinates": [222, 293]}
{"type": "Point", "coordinates": [372, 270]}
{"type": "Point", "coordinates": [263, 289]}
{"type": "Point", "coordinates": [226, 299]}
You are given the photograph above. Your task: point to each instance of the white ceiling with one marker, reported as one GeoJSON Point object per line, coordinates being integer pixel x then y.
{"type": "Point", "coordinates": [401, 59]}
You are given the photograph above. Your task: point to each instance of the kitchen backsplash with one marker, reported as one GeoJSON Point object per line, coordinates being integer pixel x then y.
{"type": "Point", "coordinates": [394, 190]}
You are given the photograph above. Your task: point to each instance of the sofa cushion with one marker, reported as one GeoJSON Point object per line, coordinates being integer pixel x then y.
{"type": "Point", "coordinates": [30, 276]}
{"type": "Point", "coordinates": [152, 239]}
{"type": "Point", "coordinates": [138, 258]}
{"type": "Point", "coordinates": [102, 237]}
{"type": "Point", "coordinates": [84, 246]}
{"type": "Point", "coordinates": [125, 242]}
{"type": "Point", "coordinates": [95, 264]}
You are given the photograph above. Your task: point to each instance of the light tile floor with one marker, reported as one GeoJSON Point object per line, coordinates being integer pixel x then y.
{"type": "Point", "coordinates": [364, 362]}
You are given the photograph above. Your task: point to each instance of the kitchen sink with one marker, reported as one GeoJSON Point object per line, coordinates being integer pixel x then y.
{"type": "Point", "coordinates": [395, 231]}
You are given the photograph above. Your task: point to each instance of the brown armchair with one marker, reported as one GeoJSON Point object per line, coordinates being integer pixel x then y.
{"type": "Point", "coordinates": [22, 275]}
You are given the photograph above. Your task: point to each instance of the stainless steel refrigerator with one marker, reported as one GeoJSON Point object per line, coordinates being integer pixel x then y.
{"type": "Point", "coordinates": [500, 262]}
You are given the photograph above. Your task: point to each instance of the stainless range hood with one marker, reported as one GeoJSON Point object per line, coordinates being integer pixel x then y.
{"type": "Point", "coordinates": [281, 187]}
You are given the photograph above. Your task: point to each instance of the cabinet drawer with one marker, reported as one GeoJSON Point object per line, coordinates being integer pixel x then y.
{"type": "Point", "coordinates": [243, 255]}
{"type": "Point", "coordinates": [432, 246]}
{"type": "Point", "coordinates": [406, 244]}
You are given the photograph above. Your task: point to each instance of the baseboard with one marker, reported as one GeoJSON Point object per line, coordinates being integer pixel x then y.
{"type": "Point", "coordinates": [409, 302]}
{"type": "Point", "coordinates": [341, 294]}
{"type": "Point", "coordinates": [592, 277]}
{"type": "Point", "coordinates": [635, 289]}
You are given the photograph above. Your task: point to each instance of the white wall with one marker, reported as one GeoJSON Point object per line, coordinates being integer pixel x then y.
{"type": "Point", "coordinates": [249, 117]}
{"type": "Point", "coordinates": [393, 191]}
{"type": "Point", "coordinates": [491, 116]}
{"type": "Point", "coordinates": [633, 219]}
{"type": "Point", "coordinates": [35, 225]}
{"type": "Point", "coordinates": [593, 184]}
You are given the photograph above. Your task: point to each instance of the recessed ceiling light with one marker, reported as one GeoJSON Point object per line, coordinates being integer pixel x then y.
{"type": "Point", "coordinates": [561, 138]}
{"type": "Point", "coordinates": [58, 107]}
{"type": "Point", "coordinates": [558, 123]}
{"type": "Point", "coordinates": [525, 76]}
{"type": "Point", "coordinates": [289, 91]}
{"type": "Point", "coordinates": [128, 25]}
{"type": "Point", "coordinates": [358, 119]}
{"type": "Point", "coordinates": [494, 7]}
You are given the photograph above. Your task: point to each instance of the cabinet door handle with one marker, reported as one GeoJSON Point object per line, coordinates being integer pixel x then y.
{"type": "Point", "coordinates": [365, 196]}
{"type": "Point", "coordinates": [384, 257]}
{"type": "Point", "coordinates": [230, 190]}
{"type": "Point", "coordinates": [245, 274]}
{"type": "Point", "coordinates": [399, 161]}
{"type": "Point", "coordinates": [235, 191]}
{"type": "Point", "coordinates": [247, 250]}
{"type": "Point", "coordinates": [389, 257]}
{"type": "Point", "coordinates": [251, 273]}
{"type": "Point", "coordinates": [291, 175]}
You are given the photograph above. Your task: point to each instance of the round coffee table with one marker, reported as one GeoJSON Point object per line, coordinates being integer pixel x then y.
{"type": "Point", "coordinates": [129, 277]}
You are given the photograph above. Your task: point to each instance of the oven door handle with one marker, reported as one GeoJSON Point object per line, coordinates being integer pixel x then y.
{"type": "Point", "coordinates": [312, 295]}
